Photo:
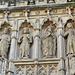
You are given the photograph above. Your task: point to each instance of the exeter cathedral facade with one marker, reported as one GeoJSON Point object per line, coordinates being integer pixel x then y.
{"type": "Point", "coordinates": [37, 37]}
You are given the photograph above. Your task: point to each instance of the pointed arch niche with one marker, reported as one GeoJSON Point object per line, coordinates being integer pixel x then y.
{"type": "Point", "coordinates": [47, 24]}
{"type": "Point", "coordinates": [66, 29]}
{"type": "Point", "coordinates": [26, 24]}
{"type": "Point", "coordinates": [5, 25]}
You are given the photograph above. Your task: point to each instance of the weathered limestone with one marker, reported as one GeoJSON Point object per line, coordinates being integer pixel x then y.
{"type": "Point", "coordinates": [49, 43]}
{"type": "Point", "coordinates": [13, 51]}
{"type": "Point", "coordinates": [4, 43]}
{"type": "Point", "coordinates": [25, 41]}
{"type": "Point", "coordinates": [3, 66]}
{"type": "Point", "coordinates": [61, 47]}
{"type": "Point", "coordinates": [70, 34]}
{"type": "Point", "coordinates": [40, 38]}
{"type": "Point", "coordinates": [37, 39]}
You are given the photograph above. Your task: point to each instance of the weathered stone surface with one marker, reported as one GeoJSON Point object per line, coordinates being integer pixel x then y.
{"type": "Point", "coordinates": [42, 38]}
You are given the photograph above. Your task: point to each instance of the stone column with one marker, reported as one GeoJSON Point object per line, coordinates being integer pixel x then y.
{"type": "Point", "coordinates": [13, 50]}
{"type": "Point", "coordinates": [36, 44]}
{"type": "Point", "coordinates": [37, 39]}
{"type": "Point", "coordinates": [60, 47]}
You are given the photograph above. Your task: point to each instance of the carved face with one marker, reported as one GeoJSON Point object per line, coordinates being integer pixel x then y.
{"type": "Point", "coordinates": [5, 31]}
{"type": "Point", "coordinates": [69, 25]}
{"type": "Point", "coordinates": [25, 30]}
{"type": "Point", "coordinates": [49, 29]}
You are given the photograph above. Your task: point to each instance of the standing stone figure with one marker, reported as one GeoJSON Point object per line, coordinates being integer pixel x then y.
{"type": "Point", "coordinates": [4, 43]}
{"type": "Point", "coordinates": [25, 40]}
{"type": "Point", "coordinates": [49, 43]}
{"type": "Point", "coordinates": [70, 35]}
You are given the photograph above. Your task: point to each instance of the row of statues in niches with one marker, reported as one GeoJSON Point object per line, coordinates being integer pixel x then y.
{"type": "Point", "coordinates": [48, 42]}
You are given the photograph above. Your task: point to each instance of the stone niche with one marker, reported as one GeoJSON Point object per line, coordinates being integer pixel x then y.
{"type": "Point", "coordinates": [49, 39]}
{"type": "Point", "coordinates": [70, 48]}
{"type": "Point", "coordinates": [5, 43]}
{"type": "Point", "coordinates": [25, 40]}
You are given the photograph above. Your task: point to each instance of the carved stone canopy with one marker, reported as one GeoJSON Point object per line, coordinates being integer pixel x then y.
{"type": "Point", "coordinates": [25, 24]}
{"type": "Point", "coordinates": [5, 25]}
{"type": "Point", "coordinates": [49, 22]}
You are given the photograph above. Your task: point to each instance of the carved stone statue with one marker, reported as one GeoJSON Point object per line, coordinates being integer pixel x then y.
{"type": "Point", "coordinates": [70, 35]}
{"type": "Point", "coordinates": [49, 43]}
{"type": "Point", "coordinates": [4, 43]}
{"type": "Point", "coordinates": [25, 40]}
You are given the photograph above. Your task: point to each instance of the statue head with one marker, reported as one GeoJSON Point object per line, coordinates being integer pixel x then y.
{"type": "Point", "coordinates": [69, 25]}
{"type": "Point", "coordinates": [25, 30]}
{"type": "Point", "coordinates": [5, 31]}
{"type": "Point", "coordinates": [49, 29]}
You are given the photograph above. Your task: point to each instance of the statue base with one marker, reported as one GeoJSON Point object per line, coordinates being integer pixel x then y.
{"type": "Point", "coordinates": [49, 57]}
{"type": "Point", "coordinates": [23, 58]}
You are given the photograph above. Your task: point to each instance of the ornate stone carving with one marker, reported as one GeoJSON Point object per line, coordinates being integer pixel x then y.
{"type": "Point", "coordinates": [20, 71]}
{"type": "Point", "coordinates": [4, 43]}
{"type": "Point", "coordinates": [49, 43]}
{"type": "Point", "coordinates": [25, 40]}
{"type": "Point", "coordinates": [43, 70]}
{"type": "Point", "coordinates": [53, 70]}
{"type": "Point", "coordinates": [70, 35]}
{"type": "Point", "coordinates": [30, 70]}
